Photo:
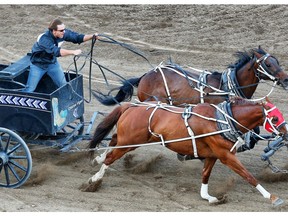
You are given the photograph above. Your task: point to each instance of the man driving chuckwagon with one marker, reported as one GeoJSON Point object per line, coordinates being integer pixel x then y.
{"type": "Point", "coordinates": [47, 49]}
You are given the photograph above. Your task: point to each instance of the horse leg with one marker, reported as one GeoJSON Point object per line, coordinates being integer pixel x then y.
{"type": "Point", "coordinates": [100, 159]}
{"type": "Point", "coordinates": [110, 158]}
{"type": "Point", "coordinates": [99, 175]}
{"type": "Point", "coordinates": [208, 165]}
{"type": "Point", "coordinates": [233, 163]}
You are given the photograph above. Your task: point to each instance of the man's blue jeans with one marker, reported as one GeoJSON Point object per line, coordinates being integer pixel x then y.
{"type": "Point", "coordinates": [36, 73]}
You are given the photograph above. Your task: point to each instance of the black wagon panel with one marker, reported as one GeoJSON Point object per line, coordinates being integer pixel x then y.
{"type": "Point", "coordinates": [45, 112]}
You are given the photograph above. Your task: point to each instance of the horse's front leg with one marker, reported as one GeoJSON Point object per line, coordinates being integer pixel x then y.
{"type": "Point", "coordinates": [208, 165]}
{"type": "Point", "coordinates": [232, 162]}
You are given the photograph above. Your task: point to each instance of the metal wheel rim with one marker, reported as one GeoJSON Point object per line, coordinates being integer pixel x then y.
{"type": "Point", "coordinates": [16, 160]}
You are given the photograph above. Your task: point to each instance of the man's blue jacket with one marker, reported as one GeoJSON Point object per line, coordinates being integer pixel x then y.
{"type": "Point", "coordinates": [47, 48]}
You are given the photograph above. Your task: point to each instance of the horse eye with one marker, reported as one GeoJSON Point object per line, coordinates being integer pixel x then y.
{"type": "Point", "coordinates": [274, 119]}
{"type": "Point", "coordinates": [268, 65]}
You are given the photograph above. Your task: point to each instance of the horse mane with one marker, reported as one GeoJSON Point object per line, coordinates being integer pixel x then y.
{"type": "Point", "coordinates": [244, 57]}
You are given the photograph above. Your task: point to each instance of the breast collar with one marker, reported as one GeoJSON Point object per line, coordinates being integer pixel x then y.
{"type": "Point", "coordinates": [233, 134]}
{"type": "Point", "coordinates": [230, 83]}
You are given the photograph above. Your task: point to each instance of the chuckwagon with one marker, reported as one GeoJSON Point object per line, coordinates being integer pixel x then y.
{"type": "Point", "coordinates": [54, 116]}
{"type": "Point", "coordinates": [49, 115]}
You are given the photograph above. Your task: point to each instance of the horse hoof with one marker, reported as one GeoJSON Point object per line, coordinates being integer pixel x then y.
{"type": "Point", "coordinates": [277, 201]}
{"type": "Point", "coordinates": [91, 186]}
{"type": "Point", "coordinates": [219, 200]}
{"type": "Point", "coordinates": [213, 200]}
{"type": "Point", "coordinates": [94, 163]}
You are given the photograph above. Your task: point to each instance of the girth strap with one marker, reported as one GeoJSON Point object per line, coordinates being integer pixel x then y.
{"type": "Point", "coordinates": [165, 83]}
{"type": "Point", "coordinates": [149, 125]}
{"type": "Point", "coordinates": [202, 80]}
{"type": "Point", "coordinates": [186, 115]}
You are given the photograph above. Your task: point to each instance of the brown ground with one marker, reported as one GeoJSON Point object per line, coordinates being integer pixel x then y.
{"type": "Point", "coordinates": [150, 178]}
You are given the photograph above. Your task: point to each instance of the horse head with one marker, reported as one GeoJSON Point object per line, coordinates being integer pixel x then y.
{"type": "Point", "coordinates": [274, 121]}
{"type": "Point", "coordinates": [267, 66]}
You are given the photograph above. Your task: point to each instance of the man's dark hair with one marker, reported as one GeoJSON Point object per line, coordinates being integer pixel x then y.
{"type": "Point", "coordinates": [53, 25]}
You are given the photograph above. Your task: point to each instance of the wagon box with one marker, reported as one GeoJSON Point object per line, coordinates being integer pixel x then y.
{"type": "Point", "coordinates": [45, 111]}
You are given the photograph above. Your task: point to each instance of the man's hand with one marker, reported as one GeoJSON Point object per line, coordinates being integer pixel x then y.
{"type": "Point", "coordinates": [90, 36]}
{"type": "Point", "coordinates": [96, 35]}
{"type": "Point", "coordinates": [77, 52]}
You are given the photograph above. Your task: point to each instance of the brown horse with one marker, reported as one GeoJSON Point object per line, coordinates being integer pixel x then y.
{"type": "Point", "coordinates": [204, 131]}
{"type": "Point", "coordinates": [173, 85]}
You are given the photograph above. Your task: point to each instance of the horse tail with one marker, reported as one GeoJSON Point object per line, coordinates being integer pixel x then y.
{"type": "Point", "coordinates": [125, 93]}
{"type": "Point", "coordinates": [104, 128]}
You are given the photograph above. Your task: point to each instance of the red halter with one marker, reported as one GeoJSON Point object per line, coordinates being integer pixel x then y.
{"type": "Point", "coordinates": [270, 114]}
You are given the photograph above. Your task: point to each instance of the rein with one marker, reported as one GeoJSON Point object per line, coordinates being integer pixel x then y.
{"type": "Point", "coordinates": [157, 143]}
{"type": "Point", "coordinates": [124, 45]}
{"type": "Point", "coordinates": [89, 56]}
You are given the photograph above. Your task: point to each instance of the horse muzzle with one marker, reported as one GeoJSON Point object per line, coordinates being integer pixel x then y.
{"type": "Point", "coordinates": [285, 134]}
{"type": "Point", "coordinates": [285, 137]}
{"type": "Point", "coordinates": [283, 83]}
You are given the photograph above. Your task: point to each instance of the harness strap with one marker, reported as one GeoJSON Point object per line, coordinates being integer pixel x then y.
{"type": "Point", "coordinates": [239, 141]}
{"type": "Point", "coordinates": [202, 79]}
{"type": "Point", "coordinates": [217, 91]}
{"type": "Point", "coordinates": [159, 67]}
{"type": "Point", "coordinates": [149, 124]}
{"type": "Point", "coordinates": [187, 115]}
{"type": "Point", "coordinates": [230, 83]}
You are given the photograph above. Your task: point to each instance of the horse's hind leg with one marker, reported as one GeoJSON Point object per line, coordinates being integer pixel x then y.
{"type": "Point", "coordinates": [99, 175]}
{"type": "Point", "coordinates": [100, 159]}
{"type": "Point", "coordinates": [110, 158]}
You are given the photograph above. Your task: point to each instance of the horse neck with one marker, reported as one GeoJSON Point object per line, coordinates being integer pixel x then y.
{"type": "Point", "coordinates": [250, 116]}
{"type": "Point", "coordinates": [246, 77]}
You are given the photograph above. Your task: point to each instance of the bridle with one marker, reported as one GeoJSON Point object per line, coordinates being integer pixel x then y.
{"type": "Point", "coordinates": [270, 114]}
{"type": "Point", "coordinates": [263, 69]}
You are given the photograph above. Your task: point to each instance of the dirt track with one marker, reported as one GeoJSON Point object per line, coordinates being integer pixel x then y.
{"type": "Point", "coordinates": [150, 178]}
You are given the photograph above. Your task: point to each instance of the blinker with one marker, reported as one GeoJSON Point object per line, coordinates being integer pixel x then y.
{"type": "Point", "coordinates": [270, 114]}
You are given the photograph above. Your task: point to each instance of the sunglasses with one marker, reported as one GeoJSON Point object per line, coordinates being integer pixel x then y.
{"type": "Point", "coordinates": [62, 30]}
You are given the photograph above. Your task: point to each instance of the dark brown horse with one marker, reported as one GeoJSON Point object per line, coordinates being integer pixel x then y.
{"type": "Point", "coordinates": [173, 85]}
{"type": "Point", "coordinates": [204, 131]}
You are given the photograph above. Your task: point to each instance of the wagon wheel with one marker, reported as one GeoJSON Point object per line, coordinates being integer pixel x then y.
{"type": "Point", "coordinates": [15, 159]}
